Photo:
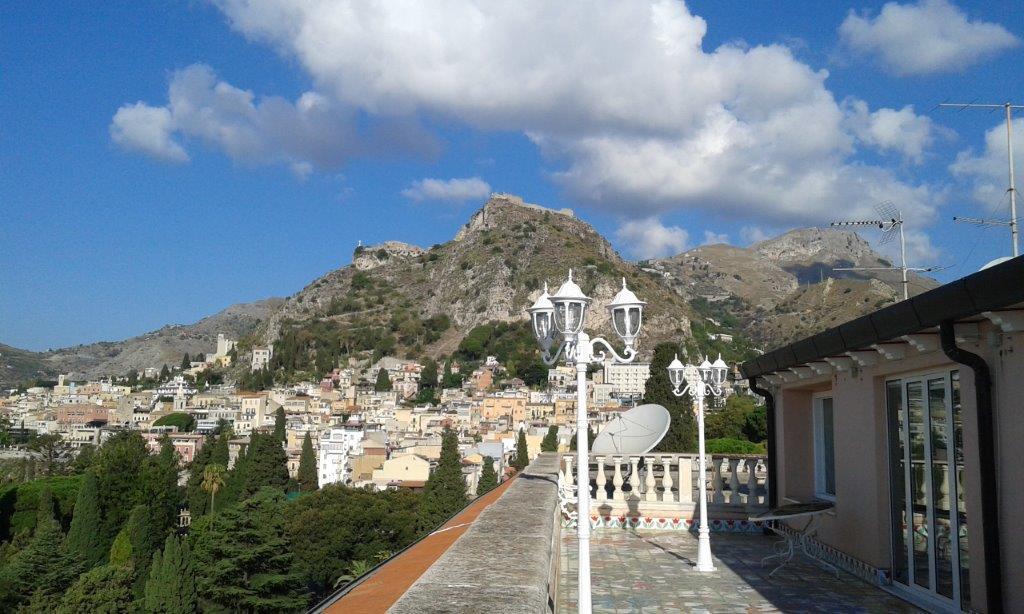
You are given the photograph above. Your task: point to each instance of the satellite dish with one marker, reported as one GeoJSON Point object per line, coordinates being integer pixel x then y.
{"type": "Point", "coordinates": [995, 262]}
{"type": "Point", "coordinates": [636, 431]}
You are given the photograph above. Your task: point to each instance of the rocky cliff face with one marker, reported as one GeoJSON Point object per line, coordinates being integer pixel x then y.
{"type": "Point", "coordinates": [785, 288]}
{"type": "Point", "coordinates": [492, 270]}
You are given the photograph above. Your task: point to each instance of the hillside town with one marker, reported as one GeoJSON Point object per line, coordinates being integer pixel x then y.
{"type": "Point", "coordinates": [364, 420]}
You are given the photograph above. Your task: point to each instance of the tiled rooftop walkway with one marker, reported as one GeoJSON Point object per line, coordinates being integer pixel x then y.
{"type": "Point", "coordinates": [652, 572]}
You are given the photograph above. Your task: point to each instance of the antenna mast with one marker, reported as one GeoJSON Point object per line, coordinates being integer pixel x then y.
{"type": "Point", "coordinates": [1009, 151]}
{"type": "Point", "coordinates": [890, 221]}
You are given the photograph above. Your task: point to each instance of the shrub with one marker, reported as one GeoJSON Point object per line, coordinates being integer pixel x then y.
{"type": "Point", "coordinates": [733, 446]}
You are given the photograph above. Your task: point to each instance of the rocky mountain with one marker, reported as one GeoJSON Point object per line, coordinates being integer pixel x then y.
{"type": "Point", "coordinates": [491, 271]}
{"type": "Point", "coordinates": [154, 349]}
{"type": "Point", "coordinates": [785, 288]}
{"type": "Point", "coordinates": [402, 299]}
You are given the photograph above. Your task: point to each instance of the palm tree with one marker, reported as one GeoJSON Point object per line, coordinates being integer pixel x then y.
{"type": "Point", "coordinates": [213, 480]}
{"type": "Point", "coordinates": [356, 569]}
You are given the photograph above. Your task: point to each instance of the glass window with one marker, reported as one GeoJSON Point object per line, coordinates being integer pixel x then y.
{"type": "Point", "coordinates": [824, 449]}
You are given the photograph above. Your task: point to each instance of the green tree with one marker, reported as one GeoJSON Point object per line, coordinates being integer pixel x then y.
{"type": "Point", "coordinates": [83, 460]}
{"type": "Point", "coordinates": [107, 589]}
{"type": "Point", "coordinates": [171, 587]}
{"type": "Point", "coordinates": [428, 376]}
{"type": "Point", "coordinates": [383, 383]}
{"type": "Point", "coordinates": [755, 425]}
{"type": "Point", "coordinates": [118, 464]}
{"type": "Point", "coordinates": [522, 458]}
{"type": "Point", "coordinates": [488, 477]}
{"type": "Point", "coordinates": [242, 558]}
{"type": "Point", "coordinates": [307, 476]}
{"type": "Point", "coordinates": [186, 362]}
{"type": "Point", "coordinates": [682, 430]}
{"type": "Point", "coordinates": [184, 422]}
{"type": "Point", "coordinates": [591, 435]}
{"type": "Point", "coordinates": [264, 464]}
{"type": "Point", "coordinates": [213, 481]}
{"type": "Point", "coordinates": [550, 441]}
{"type": "Point", "coordinates": [145, 537]}
{"type": "Point", "coordinates": [280, 425]}
{"type": "Point", "coordinates": [449, 379]}
{"type": "Point", "coordinates": [445, 491]}
{"type": "Point", "coordinates": [44, 565]}
{"type": "Point", "coordinates": [165, 373]}
{"type": "Point", "coordinates": [330, 528]}
{"type": "Point", "coordinates": [160, 488]}
{"type": "Point", "coordinates": [84, 536]}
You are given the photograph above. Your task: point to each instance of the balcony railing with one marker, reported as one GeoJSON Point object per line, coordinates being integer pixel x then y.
{"type": "Point", "coordinates": [667, 485]}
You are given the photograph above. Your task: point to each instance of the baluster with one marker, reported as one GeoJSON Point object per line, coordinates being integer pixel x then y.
{"type": "Point", "coordinates": [764, 498]}
{"type": "Point", "coordinates": [666, 479]}
{"type": "Point", "coordinates": [617, 493]}
{"type": "Point", "coordinates": [685, 480]}
{"type": "Point", "coordinates": [601, 494]}
{"type": "Point", "coordinates": [717, 490]}
{"type": "Point", "coordinates": [751, 465]}
{"type": "Point", "coordinates": [651, 487]}
{"type": "Point", "coordinates": [734, 481]}
{"type": "Point", "coordinates": [570, 477]}
{"type": "Point", "coordinates": [634, 477]}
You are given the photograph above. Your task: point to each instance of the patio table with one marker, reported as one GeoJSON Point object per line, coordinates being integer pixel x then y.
{"type": "Point", "coordinates": [796, 538]}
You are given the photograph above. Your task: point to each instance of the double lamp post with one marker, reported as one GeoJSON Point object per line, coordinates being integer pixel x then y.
{"type": "Point", "coordinates": [561, 317]}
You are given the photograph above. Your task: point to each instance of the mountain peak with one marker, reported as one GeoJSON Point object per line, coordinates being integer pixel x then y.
{"type": "Point", "coordinates": [500, 209]}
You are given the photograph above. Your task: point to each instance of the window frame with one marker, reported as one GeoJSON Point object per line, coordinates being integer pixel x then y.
{"type": "Point", "coordinates": [818, 442]}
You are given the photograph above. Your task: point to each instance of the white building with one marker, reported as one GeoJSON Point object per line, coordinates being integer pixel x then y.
{"type": "Point", "coordinates": [176, 387]}
{"type": "Point", "coordinates": [336, 447]}
{"type": "Point", "coordinates": [628, 379]}
{"type": "Point", "coordinates": [261, 358]}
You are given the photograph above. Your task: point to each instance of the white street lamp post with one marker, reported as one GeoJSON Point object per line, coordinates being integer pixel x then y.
{"type": "Point", "coordinates": [563, 316]}
{"type": "Point", "coordinates": [707, 379]}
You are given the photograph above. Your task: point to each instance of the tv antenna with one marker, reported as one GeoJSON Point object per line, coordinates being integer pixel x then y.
{"type": "Point", "coordinates": [890, 222]}
{"type": "Point", "coordinates": [1009, 154]}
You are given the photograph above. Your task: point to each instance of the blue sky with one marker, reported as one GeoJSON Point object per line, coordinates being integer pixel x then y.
{"type": "Point", "coordinates": [141, 184]}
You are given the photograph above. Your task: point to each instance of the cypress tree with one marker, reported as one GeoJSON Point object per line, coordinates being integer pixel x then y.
{"type": "Point", "coordinates": [165, 373]}
{"type": "Point", "coordinates": [280, 426]}
{"type": "Point", "coordinates": [118, 464]}
{"type": "Point", "coordinates": [522, 458]}
{"type": "Point", "coordinates": [383, 383]}
{"type": "Point", "coordinates": [160, 488]}
{"type": "Point", "coordinates": [550, 442]}
{"type": "Point", "coordinates": [108, 589]}
{"type": "Point", "coordinates": [307, 476]}
{"type": "Point", "coordinates": [488, 477]}
{"type": "Point", "coordinates": [44, 565]}
{"type": "Point", "coordinates": [186, 362]}
{"type": "Point", "coordinates": [266, 464]}
{"type": "Point", "coordinates": [171, 588]}
{"type": "Point", "coordinates": [145, 539]}
{"type": "Point", "coordinates": [197, 499]}
{"type": "Point", "coordinates": [682, 430]}
{"type": "Point", "coordinates": [84, 537]}
{"type": "Point", "coordinates": [428, 376]}
{"type": "Point", "coordinates": [445, 491]}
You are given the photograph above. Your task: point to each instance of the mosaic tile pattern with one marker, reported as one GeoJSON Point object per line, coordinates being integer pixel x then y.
{"type": "Point", "coordinates": [651, 571]}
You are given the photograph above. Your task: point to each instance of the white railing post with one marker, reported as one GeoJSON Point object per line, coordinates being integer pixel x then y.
{"type": "Point", "coordinates": [601, 494]}
{"type": "Point", "coordinates": [717, 491]}
{"type": "Point", "coordinates": [751, 465]}
{"type": "Point", "coordinates": [650, 486]}
{"type": "Point", "coordinates": [666, 480]}
{"type": "Point", "coordinates": [734, 481]}
{"type": "Point", "coordinates": [634, 477]}
{"type": "Point", "coordinates": [617, 493]}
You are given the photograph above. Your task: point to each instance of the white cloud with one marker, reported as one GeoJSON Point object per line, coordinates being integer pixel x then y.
{"type": "Point", "coordinates": [888, 130]}
{"type": "Point", "coordinates": [649, 238]}
{"type": "Point", "coordinates": [622, 98]}
{"type": "Point", "coordinates": [145, 129]}
{"type": "Point", "coordinates": [312, 132]}
{"type": "Point", "coordinates": [987, 171]}
{"type": "Point", "coordinates": [714, 238]}
{"type": "Point", "coordinates": [753, 234]}
{"type": "Point", "coordinates": [929, 36]}
{"type": "Point", "coordinates": [452, 190]}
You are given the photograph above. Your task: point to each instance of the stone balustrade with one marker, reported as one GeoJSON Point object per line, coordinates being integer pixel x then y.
{"type": "Point", "coordinates": [666, 485]}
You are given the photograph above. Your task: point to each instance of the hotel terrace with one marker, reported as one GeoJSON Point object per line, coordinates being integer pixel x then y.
{"type": "Point", "coordinates": [905, 424]}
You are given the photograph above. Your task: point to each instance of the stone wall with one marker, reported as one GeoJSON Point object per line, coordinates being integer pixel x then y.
{"type": "Point", "coordinates": [506, 562]}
